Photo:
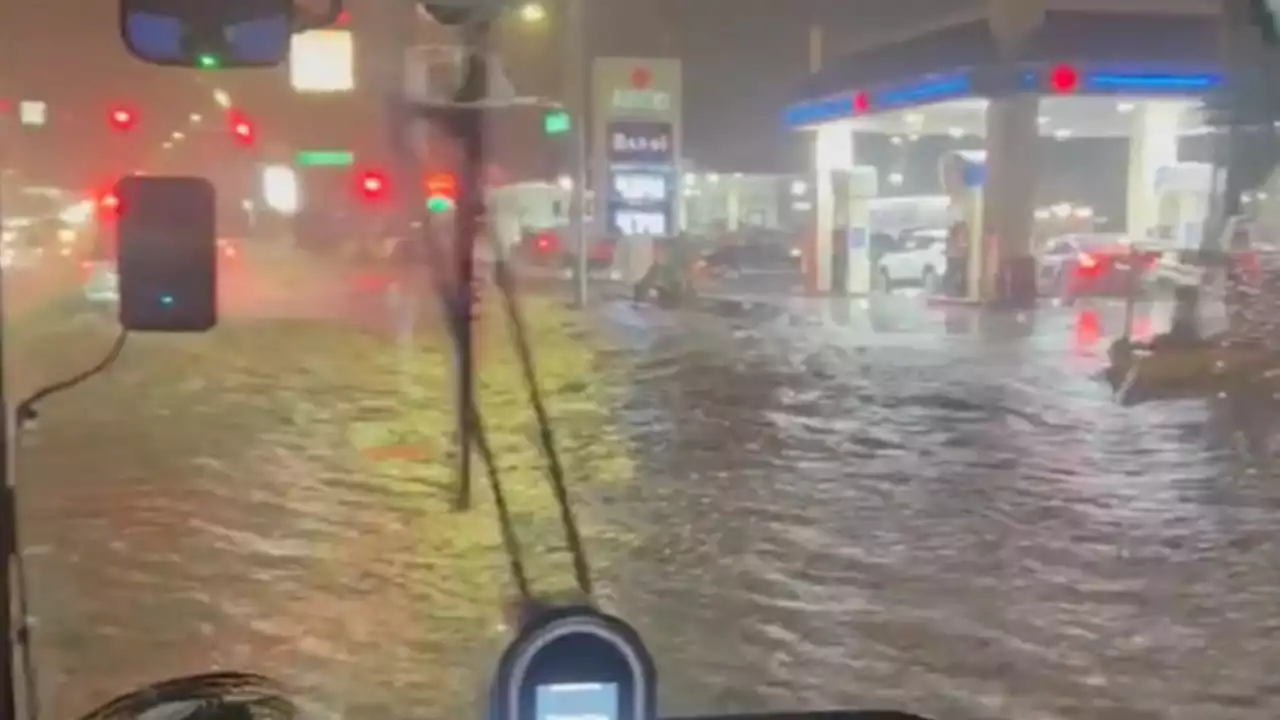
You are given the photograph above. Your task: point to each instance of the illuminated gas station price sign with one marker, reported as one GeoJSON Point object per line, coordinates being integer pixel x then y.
{"type": "Point", "coordinates": [637, 187]}
{"type": "Point", "coordinates": [634, 222]}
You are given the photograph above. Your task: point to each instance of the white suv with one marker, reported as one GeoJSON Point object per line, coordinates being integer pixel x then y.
{"type": "Point", "coordinates": [920, 259]}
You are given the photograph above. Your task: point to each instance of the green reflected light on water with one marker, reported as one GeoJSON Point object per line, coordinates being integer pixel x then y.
{"type": "Point", "coordinates": [275, 497]}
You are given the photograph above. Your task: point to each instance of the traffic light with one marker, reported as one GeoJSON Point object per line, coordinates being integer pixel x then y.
{"type": "Point", "coordinates": [122, 119]}
{"type": "Point", "coordinates": [556, 122]}
{"type": "Point", "coordinates": [372, 185]}
{"type": "Point", "coordinates": [241, 128]}
{"type": "Point", "coordinates": [108, 206]}
{"type": "Point", "coordinates": [442, 192]}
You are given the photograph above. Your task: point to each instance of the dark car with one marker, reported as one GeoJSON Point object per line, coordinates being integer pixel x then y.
{"type": "Point", "coordinates": [1093, 264]}
{"type": "Point", "coordinates": [552, 248]}
{"type": "Point", "coordinates": [754, 255]}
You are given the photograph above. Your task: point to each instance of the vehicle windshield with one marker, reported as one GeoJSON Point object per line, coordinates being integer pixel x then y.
{"type": "Point", "coordinates": [842, 474]}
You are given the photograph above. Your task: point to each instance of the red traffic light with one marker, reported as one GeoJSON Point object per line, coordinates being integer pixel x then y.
{"type": "Point", "coordinates": [108, 205]}
{"type": "Point", "coordinates": [373, 185]}
{"type": "Point", "coordinates": [122, 118]}
{"type": "Point", "coordinates": [241, 128]}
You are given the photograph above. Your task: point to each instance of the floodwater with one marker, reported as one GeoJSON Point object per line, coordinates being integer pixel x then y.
{"type": "Point", "coordinates": [829, 506]}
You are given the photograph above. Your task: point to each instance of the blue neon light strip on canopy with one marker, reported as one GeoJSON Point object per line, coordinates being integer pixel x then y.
{"type": "Point", "coordinates": [925, 92]}
{"type": "Point", "coordinates": [1151, 82]}
{"type": "Point", "coordinates": [814, 112]}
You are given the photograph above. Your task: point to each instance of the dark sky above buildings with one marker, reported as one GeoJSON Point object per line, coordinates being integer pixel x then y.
{"type": "Point", "coordinates": [741, 58]}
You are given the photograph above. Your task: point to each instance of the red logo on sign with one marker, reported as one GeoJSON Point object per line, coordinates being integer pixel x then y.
{"type": "Point", "coordinates": [640, 78]}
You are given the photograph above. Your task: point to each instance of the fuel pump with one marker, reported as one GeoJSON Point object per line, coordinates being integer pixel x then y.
{"type": "Point", "coordinates": [963, 174]}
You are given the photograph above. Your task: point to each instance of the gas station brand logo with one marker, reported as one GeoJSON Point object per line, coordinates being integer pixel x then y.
{"type": "Point", "coordinates": [641, 96]}
{"type": "Point", "coordinates": [640, 141]}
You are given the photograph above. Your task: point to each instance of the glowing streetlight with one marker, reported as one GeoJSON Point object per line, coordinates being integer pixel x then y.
{"type": "Point", "coordinates": [196, 118]}
{"type": "Point", "coordinates": [533, 12]}
{"type": "Point", "coordinates": [177, 135]}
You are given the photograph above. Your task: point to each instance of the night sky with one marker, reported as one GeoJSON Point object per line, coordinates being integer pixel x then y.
{"type": "Point", "coordinates": [742, 58]}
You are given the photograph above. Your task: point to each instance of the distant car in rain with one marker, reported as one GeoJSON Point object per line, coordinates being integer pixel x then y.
{"type": "Point", "coordinates": [1093, 264]}
{"type": "Point", "coordinates": [551, 247]}
{"type": "Point", "coordinates": [753, 254]}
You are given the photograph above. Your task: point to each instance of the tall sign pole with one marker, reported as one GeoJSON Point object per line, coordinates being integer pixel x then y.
{"type": "Point", "coordinates": [576, 74]}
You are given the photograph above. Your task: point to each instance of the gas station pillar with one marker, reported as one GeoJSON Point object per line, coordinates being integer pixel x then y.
{"type": "Point", "coordinates": [1153, 144]}
{"type": "Point", "coordinates": [833, 157]}
{"type": "Point", "coordinates": [1008, 275]}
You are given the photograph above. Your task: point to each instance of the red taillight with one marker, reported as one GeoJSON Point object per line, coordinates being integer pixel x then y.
{"type": "Point", "coordinates": [544, 242]}
{"type": "Point", "coordinates": [1087, 262]}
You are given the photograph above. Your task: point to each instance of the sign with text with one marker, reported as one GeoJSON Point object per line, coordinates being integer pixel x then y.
{"type": "Point", "coordinates": [637, 141]}
{"type": "Point", "coordinates": [641, 187]}
{"type": "Point", "coordinates": [630, 220]}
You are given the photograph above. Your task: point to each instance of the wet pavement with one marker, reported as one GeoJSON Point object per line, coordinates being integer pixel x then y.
{"type": "Point", "coordinates": [801, 503]}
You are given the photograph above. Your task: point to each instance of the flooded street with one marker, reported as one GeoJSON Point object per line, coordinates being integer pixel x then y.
{"type": "Point", "coordinates": [808, 506]}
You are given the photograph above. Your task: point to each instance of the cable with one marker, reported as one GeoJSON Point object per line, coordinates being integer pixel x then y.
{"type": "Point", "coordinates": [26, 409]}
{"type": "Point", "coordinates": [24, 413]}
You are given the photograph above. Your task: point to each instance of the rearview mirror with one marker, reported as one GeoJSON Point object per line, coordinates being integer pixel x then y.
{"type": "Point", "coordinates": [167, 254]}
{"type": "Point", "coordinates": [215, 34]}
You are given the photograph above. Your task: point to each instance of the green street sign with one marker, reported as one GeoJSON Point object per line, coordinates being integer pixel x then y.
{"type": "Point", "coordinates": [556, 122]}
{"type": "Point", "coordinates": [324, 158]}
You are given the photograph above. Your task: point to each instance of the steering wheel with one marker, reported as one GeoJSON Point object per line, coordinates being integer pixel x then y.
{"type": "Point", "coordinates": [210, 696]}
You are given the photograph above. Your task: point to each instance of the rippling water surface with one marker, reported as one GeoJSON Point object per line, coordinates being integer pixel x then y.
{"type": "Point", "coordinates": [810, 515]}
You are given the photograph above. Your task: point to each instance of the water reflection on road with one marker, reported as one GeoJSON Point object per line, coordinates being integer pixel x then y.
{"type": "Point", "coordinates": [960, 524]}
{"type": "Point", "coordinates": [835, 505]}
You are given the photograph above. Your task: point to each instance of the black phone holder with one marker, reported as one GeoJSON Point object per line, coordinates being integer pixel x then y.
{"type": "Point", "coordinates": [575, 646]}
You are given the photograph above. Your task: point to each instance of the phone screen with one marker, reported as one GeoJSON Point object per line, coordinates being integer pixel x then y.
{"type": "Point", "coordinates": [576, 701]}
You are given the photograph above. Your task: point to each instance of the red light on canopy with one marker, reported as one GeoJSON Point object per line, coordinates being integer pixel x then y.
{"type": "Point", "coordinates": [1064, 79]}
{"type": "Point", "coordinates": [861, 102]}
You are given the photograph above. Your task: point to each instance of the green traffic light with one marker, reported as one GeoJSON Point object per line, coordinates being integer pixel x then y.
{"type": "Point", "coordinates": [437, 204]}
{"type": "Point", "coordinates": [208, 61]}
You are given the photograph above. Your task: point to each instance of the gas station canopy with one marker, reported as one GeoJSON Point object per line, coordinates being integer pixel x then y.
{"type": "Point", "coordinates": [1063, 118]}
{"type": "Point", "coordinates": [1072, 60]}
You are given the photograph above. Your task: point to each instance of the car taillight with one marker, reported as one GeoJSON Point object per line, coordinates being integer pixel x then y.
{"type": "Point", "coordinates": [1087, 261]}
{"type": "Point", "coordinates": [544, 242]}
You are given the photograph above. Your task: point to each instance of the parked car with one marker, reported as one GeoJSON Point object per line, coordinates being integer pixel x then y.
{"type": "Point", "coordinates": [919, 258]}
{"type": "Point", "coordinates": [551, 248]}
{"type": "Point", "coordinates": [755, 254]}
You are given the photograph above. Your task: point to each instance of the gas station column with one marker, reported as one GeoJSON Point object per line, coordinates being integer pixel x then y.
{"type": "Point", "coordinates": [833, 155]}
{"type": "Point", "coordinates": [1153, 144]}
{"type": "Point", "coordinates": [1008, 271]}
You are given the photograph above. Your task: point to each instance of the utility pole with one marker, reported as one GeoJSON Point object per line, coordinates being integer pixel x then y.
{"type": "Point", "coordinates": [576, 73]}
{"type": "Point", "coordinates": [1239, 43]}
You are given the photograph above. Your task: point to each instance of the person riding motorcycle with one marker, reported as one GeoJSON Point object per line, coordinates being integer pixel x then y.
{"type": "Point", "coordinates": [670, 276]}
